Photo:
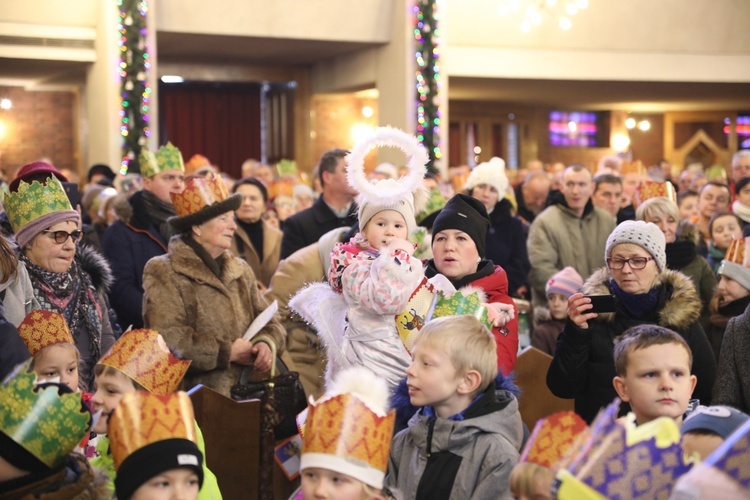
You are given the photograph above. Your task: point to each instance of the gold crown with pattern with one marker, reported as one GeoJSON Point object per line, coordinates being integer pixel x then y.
{"type": "Point", "coordinates": [652, 189]}
{"type": "Point", "coordinates": [736, 252]}
{"type": "Point", "coordinates": [143, 356]}
{"type": "Point", "coordinates": [47, 421]}
{"type": "Point", "coordinates": [345, 427]}
{"type": "Point", "coordinates": [40, 329]}
{"type": "Point", "coordinates": [167, 158]}
{"type": "Point", "coordinates": [142, 419]}
{"type": "Point", "coordinates": [198, 194]}
{"type": "Point", "coordinates": [32, 201]}
{"type": "Point", "coordinates": [553, 438]}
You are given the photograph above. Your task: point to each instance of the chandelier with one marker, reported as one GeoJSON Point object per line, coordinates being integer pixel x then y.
{"type": "Point", "coordinates": [535, 11]}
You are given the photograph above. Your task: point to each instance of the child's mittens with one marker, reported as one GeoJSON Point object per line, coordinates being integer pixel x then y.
{"type": "Point", "coordinates": [399, 244]}
{"type": "Point", "coordinates": [499, 313]}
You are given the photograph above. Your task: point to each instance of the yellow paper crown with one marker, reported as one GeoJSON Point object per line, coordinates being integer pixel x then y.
{"type": "Point", "coordinates": [281, 188]}
{"type": "Point", "coordinates": [165, 159]}
{"type": "Point", "coordinates": [345, 427]}
{"type": "Point", "coordinates": [553, 436]}
{"type": "Point", "coordinates": [198, 194]}
{"type": "Point", "coordinates": [143, 356]}
{"type": "Point", "coordinates": [195, 162]}
{"type": "Point", "coordinates": [652, 189]}
{"type": "Point", "coordinates": [47, 421]}
{"type": "Point", "coordinates": [35, 200]}
{"type": "Point", "coordinates": [142, 419]}
{"type": "Point", "coordinates": [40, 329]}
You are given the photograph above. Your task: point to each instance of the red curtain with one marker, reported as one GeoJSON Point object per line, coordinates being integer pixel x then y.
{"type": "Point", "coordinates": [221, 121]}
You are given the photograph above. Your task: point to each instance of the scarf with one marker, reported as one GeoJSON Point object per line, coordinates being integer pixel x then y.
{"type": "Point", "coordinates": [729, 311]}
{"type": "Point", "coordinates": [679, 254]}
{"type": "Point", "coordinates": [637, 306]}
{"type": "Point", "coordinates": [214, 265]}
{"type": "Point", "coordinates": [159, 211]}
{"type": "Point", "coordinates": [73, 295]}
{"type": "Point", "coordinates": [741, 210]}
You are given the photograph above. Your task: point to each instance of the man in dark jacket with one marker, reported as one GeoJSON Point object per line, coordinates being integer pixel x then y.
{"type": "Point", "coordinates": [531, 195]}
{"type": "Point", "coordinates": [335, 207]}
{"type": "Point", "coordinates": [142, 231]}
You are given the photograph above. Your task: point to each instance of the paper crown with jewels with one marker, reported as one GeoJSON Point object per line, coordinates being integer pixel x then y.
{"type": "Point", "coordinates": [652, 189]}
{"type": "Point", "coordinates": [620, 460]}
{"type": "Point", "coordinates": [143, 356]}
{"type": "Point", "coordinates": [33, 201]}
{"type": "Point", "coordinates": [150, 434]}
{"type": "Point", "coordinates": [42, 424]}
{"type": "Point", "coordinates": [552, 438]}
{"type": "Point", "coordinates": [349, 430]}
{"type": "Point", "coordinates": [200, 201]}
{"type": "Point", "coordinates": [40, 329]}
{"type": "Point", "coordinates": [460, 303]}
{"type": "Point", "coordinates": [165, 159]}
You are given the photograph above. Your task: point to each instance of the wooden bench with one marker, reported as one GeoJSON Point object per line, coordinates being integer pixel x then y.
{"type": "Point", "coordinates": [536, 400]}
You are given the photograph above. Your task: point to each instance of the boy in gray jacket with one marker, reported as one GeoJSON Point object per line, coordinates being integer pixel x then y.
{"type": "Point", "coordinates": [465, 438]}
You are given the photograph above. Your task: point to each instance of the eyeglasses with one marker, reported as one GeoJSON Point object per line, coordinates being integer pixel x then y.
{"type": "Point", "coordinates": [61, 237]}
{"type": "Point", "coordinates": [635, 263]}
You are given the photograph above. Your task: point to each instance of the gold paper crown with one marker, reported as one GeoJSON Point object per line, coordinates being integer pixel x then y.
{"type": "Point", "coordinates": [345, 427]}
{"type": "Point", "coordinates": [165, 159]}
{"type": "Point", "coordinates": [35, 200]}
{"type": "Point", "coordinates": [143, 356]}
{"type": "Point", "coordinates": [42, 421]}
{"type": "Point", "coordinates": [552, 438]}
{"type": "Point", "coordinates": [142, 419]}
{"type": "Point", "coordinates": [198, 194]}
{"type": "Point", "coordinates": [627, 461]}
{"type": "Point", "coordinates": [40, 329]}
{"type": "Point", "coordinates": [652, 189]}
{"type": "Point", "coordinates": [281, 188]}
{"type": "Point", "coordinates": [632, 167]}
{"type": "Point", "coordinates": [195, 162]}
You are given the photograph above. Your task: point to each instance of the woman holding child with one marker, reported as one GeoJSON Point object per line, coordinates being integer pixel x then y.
{"type": "Point", "coordinates": [645, 291]}
{"type": "Point", "coordinates": [459, 237]}
{"type": "Point", "coordinates": [201, 298]}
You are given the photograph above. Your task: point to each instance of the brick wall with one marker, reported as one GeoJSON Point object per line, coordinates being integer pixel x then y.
{"type": "Point", "coordinates": [40, 124]}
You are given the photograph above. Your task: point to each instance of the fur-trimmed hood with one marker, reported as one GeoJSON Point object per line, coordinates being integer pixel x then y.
{"type": "Point", "coordinates": [96, 266]}
{"type": "Point", "coordinates": [681, 306]}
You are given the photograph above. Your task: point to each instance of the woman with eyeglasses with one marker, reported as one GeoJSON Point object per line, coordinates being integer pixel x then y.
{"type": "Point", "coordinates": [645, 292]}
{"type": "Point", "coordinates": [66, 278]}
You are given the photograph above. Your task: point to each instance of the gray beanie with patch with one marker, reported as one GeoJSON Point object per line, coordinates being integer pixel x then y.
{"type": "Point", "coordinates": [646, 235]}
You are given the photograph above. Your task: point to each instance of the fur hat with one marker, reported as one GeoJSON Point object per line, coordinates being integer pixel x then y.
{"type": "Point", "coordinates": [566, 282]}
{"type": "Point", "coordinates": [646, 235]}
{"type": "Point", "coordinates": [723, 420]}
{"type": "Point", "coordinates": [733, 265]}
{"type": "Point", "coordinates": [491, 173]}
{"type": "Point", "coordinates": [387, 194]}
{"type": "Point", "coordinates": [466, 214]}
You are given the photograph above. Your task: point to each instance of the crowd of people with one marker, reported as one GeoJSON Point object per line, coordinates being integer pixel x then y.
{"type": "Point", "coordinates": [392, 293]}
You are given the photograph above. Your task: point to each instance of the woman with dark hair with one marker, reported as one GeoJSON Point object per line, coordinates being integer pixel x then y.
{"type": "Point", "coordinates": [255, 240]}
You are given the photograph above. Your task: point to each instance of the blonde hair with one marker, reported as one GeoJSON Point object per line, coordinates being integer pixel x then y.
{"type": "Point", "coordinates": [468, 343]}
{"type": "Point", "coordinates": [526, 479]}
{"type": "Point", "coordinates": [100, 370]}
{"type": "Point", "coordinates": [654, 207]}
{"type": "Point", "coordinates": [39, 356]}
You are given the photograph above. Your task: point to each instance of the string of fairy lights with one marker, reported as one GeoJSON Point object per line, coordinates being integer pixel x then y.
{"type": "Point", "coordinates": [135, 91]}
{"type": "Point", "coordinates": [427, 36]}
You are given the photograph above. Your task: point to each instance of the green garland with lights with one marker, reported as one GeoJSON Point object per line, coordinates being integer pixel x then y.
{"type": "Point", "coordinates": [427, 36]}
{"type": "Point", "coordinates": [135, 91]}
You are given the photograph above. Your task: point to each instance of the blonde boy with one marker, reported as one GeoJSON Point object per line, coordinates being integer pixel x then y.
{"type": "Point", "coordinates": [653, 367]}
{"type": "Point", "coordinates": [465, 438]}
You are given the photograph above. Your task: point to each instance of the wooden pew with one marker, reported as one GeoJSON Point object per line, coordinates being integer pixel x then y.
{"type": "Point", "coordinates": [231, 431]}
{"type": "Point", "coordinates": [536, 400]}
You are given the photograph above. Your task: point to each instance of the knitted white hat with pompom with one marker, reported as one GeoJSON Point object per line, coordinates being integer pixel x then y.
{"type": "Point", "coordinates": [491, 173]}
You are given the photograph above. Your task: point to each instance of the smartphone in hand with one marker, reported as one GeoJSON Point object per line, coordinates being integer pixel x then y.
{"type": "Point", "coordinates": [602, 303]}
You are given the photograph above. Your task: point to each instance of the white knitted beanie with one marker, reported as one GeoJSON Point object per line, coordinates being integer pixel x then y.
{"type": "Point", "coordinates": [646, 235]}
{"type": "Point", "coordinates": [491, 173]}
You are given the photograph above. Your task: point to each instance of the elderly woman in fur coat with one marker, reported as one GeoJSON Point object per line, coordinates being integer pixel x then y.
{"type": "Point", "coordinates": [645, 292]}
{"type": "Point", "coordinates": [66, 278]}
{"type": "Point", "coordinates": [201, 298]}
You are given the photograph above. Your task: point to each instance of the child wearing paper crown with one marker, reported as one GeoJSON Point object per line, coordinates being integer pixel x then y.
{"type": "Point", "coordinates": [154, 447]}
{"type": "Point", "coordinates": [346, 439]}
{"type": "Point", "coordinates": [139, 361]}
{"type": "Point", "coordinates": [375, 272]}
{"type": "Point", "coordinates": [465, 438]}
{"type": "Point", "coordinates": [40, 425]}
{"type": "Point", "coordinates": [548, 323]}
{"type": "Point", "coordinates": [54, 355]}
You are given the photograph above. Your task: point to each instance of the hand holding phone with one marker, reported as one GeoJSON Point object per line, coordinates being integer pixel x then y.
{"type": "Point", "coordinates": [602, 303]}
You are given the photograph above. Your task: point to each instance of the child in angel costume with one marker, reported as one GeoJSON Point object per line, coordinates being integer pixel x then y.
{"type": "Point", "coordinates": [372, 276]}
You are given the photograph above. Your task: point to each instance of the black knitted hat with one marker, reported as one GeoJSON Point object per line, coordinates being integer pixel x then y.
{"type": "Point", "coordinates": [466, 214]}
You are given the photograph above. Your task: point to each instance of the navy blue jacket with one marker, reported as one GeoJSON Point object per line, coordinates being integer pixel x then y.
{"type": "Point", "coordinates": [306, 227]}
{"type": "Point", "coordinates": [506, 245]}
{"type": "Point", "coordinates": [128, 244]}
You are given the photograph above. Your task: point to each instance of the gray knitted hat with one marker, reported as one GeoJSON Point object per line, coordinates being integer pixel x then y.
{"type": "Point", "coordinates": [646, 235]}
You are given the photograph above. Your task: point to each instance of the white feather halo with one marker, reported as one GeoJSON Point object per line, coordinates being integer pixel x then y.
{"type": "Point", "coordinates": [384, 191]}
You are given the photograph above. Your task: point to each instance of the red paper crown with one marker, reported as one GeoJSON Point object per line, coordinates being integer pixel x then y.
{"type": "Point", "coordinates": [40, 329]}
{"type": "Point", "coordinates": [652, 189]}
{"type": "Point", "coordinates": [198, 194]}
{"type": "Point", "coordinates": [552, 438]}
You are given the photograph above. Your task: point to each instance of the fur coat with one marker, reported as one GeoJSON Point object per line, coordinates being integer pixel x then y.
{"type": "Point", "coordinates": [200, 315]}
{"type": "Point", "coordinates": [583, 366]}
